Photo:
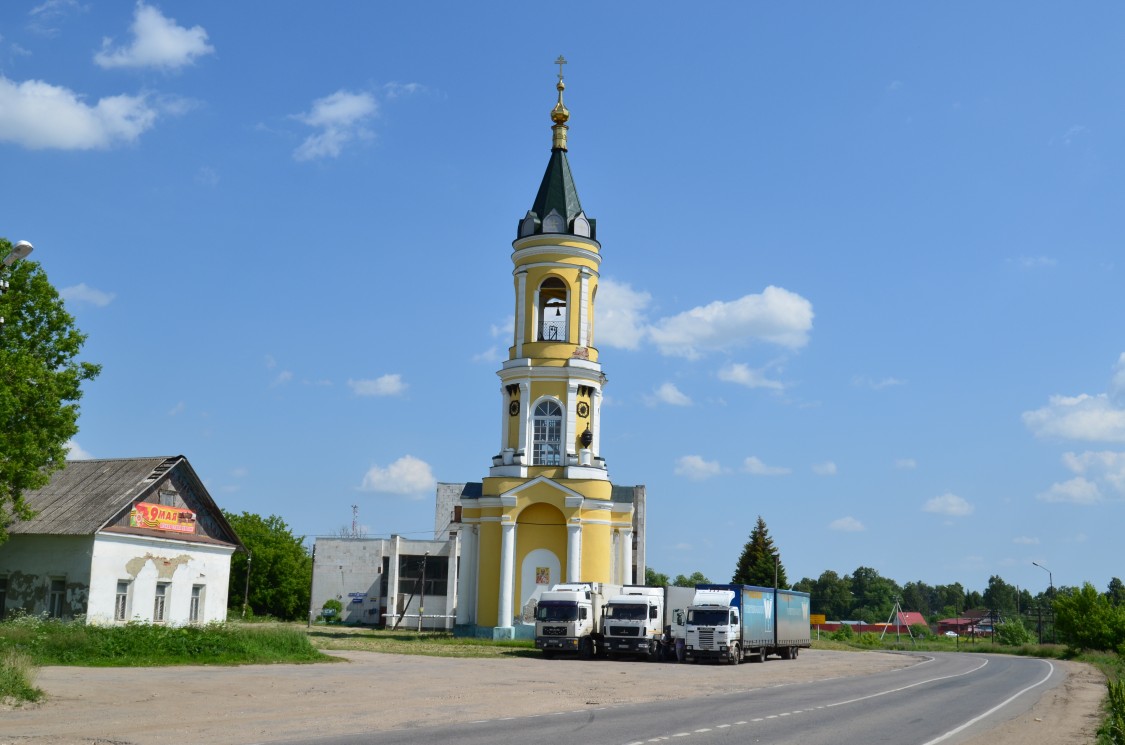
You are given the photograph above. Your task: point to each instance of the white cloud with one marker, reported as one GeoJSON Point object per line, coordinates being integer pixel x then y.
{"type": "Point", "coordinates": [695, 467]}
{"type": "Point", "coordinates": [894, 85]}
{"type": "Point", "coordinates": [669, 394]}
{"type": "Point", "coordinates": [283, 377]}
{"type": "Point", "coordinates": [178, 409]}
{"type": "Point", "coordinates": [847, 525]}
{"type": "Point", "coordinates": [949, 504]}
{"type": "Point", "coordinates": [74, 451]}
{"type": "Point", "coordinates": [1025, 540]}
{"type": "Point", "coordinates": [1117, 382]}
{"type": "Point", "coordinates": [1036, 262]}
{"type": "Point", "coordinates": [157, 42]}
{"type": "Point", "coordinates": [1075, 131]}
{"type": "Point", "coordinates": [1106, 465]}
{"type": "Point", "coordinates": [341, 118]}
{"type": "Point", "coordinates": [620, 311]}
{"type": "Point", "coordinates": [866, 381]}
{"type": "Point", "coordinates": [407, 475]}
{"type": "Point", "coordinates": [743, 374]}
{"type": "Point", "coordinates": [754, 465]}
{"type": "Point", "coordinates": [83, 293]}
{"type": "Point", "coordinates": [827, 468]}
{"type": "Point", "coordinates": [46, 16]}
{"type": "Point", "coordinates": [397, 90]}
{"type": "Point", "coordinates": [1081, 417]}
{"type": "Point", "coordinates": [38, 115]}
{"type": "Point", "coordinates": [776, 315]}
{"type": "Point", "coordinates": [906, 463]}
{"type": "Point", "coordinates": [386, 385]}
{"type": "Point", "coordinates": [1077, 490]}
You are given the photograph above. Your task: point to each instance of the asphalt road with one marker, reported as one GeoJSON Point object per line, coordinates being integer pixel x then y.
{"type": "Point", "coordinates": [946, 698]}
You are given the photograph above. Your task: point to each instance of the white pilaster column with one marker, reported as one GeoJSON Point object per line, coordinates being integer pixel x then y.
{"type": "Point", "coordinates": [596, 445]}
{"type": "Point", "coordinates": [571, 421]}
{"type": "Point", "coordinates": [525, 421]}
{"type": "Point", "coordinates": [584, 308]}
{"type": "Point", "coordinates": [625, 559]}
{"type": "Point", "coordinates": [504, 417]}
{"type": "Point", "coordinates": [507, 563]}
{"type": "Point", "coordinates": [467, 579]}
{"type": "Point", "coordinates": [574, 552]}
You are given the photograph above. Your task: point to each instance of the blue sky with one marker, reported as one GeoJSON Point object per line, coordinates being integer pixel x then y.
{"type": "Point", "coordinates": [861, 265]}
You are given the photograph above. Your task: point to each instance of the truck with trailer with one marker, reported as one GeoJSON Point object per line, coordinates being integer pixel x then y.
{"type": "Point", "coordinates": [733, 623]}
{"type": "Point", "coordinates": [568, 618]}
{"type": "Point", "coordinates": [645, 621]}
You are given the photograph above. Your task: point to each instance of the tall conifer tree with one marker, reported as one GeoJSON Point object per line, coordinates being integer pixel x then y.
{"type": "Point", "coordinates": [756, 565]}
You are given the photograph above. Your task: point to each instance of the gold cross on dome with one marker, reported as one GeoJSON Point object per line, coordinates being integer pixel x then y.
{"type": "Point", "coordinates": [560, 62]}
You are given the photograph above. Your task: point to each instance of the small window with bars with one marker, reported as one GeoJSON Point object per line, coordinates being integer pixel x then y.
{"type": "Point", "coordinates": [121, 602]}
{"type": "Point", "coordinates": [160, 604]}
{"type": "Point", "coordinates": [56, 599]}
{"type": "Point", "coordinates": [196, 606]}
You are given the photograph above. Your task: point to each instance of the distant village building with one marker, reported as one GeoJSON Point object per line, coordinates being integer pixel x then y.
{"type": "Point", "coordinates": [131, 539]}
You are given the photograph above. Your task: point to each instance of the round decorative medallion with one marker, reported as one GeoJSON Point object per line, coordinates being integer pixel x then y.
{"type": "Point", "coordinates": [514, 408]}
{"type": "Point", "coordinates": [583, 408]}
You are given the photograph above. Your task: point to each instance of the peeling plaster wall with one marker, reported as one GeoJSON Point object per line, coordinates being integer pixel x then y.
{"type": "Point", "coordinates": [30, 562]}
{"type": "Point", "coordinates": [143, 562]}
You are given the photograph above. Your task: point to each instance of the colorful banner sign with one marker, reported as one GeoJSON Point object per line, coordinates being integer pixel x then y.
{"type": "Point", "coordinates": [162, 517]}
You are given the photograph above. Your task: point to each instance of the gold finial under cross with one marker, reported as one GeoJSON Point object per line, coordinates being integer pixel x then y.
{"type": "Point", "coordinates": [560, 62]}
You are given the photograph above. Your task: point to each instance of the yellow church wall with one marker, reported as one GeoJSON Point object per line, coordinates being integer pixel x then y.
{"type": "Point", "coordinates": [597, 544]}
{"type": "Point", "coordinates": [488, 574]}
{"type": "Point", "coordinates": [540, 526]}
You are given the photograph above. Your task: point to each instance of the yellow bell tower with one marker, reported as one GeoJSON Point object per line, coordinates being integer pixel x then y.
{"type": "Point", "coordinates": [547, 512]}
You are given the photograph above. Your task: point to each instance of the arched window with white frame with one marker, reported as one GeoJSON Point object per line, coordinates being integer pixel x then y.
{"type": "Point", "coordinates": [553, 311]}
{"type": "Point", "coordinates": [546, 442]}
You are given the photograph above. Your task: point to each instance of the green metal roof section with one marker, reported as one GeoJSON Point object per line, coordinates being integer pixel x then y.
{"type": "Point", "coordinates": [557, 191]}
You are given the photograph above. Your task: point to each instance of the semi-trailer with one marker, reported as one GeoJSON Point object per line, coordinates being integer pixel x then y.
{"type": "Point", "coordinates": [736, 622]}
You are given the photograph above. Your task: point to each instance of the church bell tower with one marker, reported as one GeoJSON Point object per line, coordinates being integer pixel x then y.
{"type": "Point", "coordinates": [547, 512]}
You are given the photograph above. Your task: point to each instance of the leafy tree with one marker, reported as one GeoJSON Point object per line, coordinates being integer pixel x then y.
{"type": "Point", "coordinates": [756, 566]}
{"type": "Point", "coordinates": [918, 596]}
{"type": "Point", "coordinates": [829, 594]}
{"type": "Point", "coordinates": [280, 567]}
{"type": "Point", "coordinates": [1116, 593]}
{"type": "Point", "coordinates": [874, 595]}
{"type": "Point", "coordinates": [696, 578]}
{"type": "Point", "coordinates": [40, 384]}
{"type": "Point", "coordinates": [1084, 619]}
{"type": "Point", "coordinates": [950, 599]}
{"type": "Point", "coordinates": [1000, 596]}
{"type": "Point", "coordinates": [654, 578]}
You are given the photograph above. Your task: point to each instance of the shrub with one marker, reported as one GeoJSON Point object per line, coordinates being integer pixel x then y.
{"type": "Point", "coordinates": [333, 611]}
{"type": "Point", "coordinates": [1084, 619]}
{"type": "Point", "coordinates": [842, 634]}
{"type": "Point", "coordinates": [1113, 729]}
{"type": "Point", "coordinates": [921, 631]}
{"type": "Point", "coordinates": [1012, 633]}
{"type": "Point", "coordinates": [16, 675]}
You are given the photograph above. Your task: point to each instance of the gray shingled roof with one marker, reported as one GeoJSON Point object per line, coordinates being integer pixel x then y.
{"type": "Point", "coordinates": [86, 495]}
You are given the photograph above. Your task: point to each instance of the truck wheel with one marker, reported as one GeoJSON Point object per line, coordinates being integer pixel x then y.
{"type": "Point", "coordinates": [786, 653]}
{"type": "Point", "coordinates": [654, 653]}
{"type": "Point", "coordinates": [586, 648]}
{"type": "Point", "coordinates": [760, 656]}
{"type": "Point", "coordinates": [796, 651]}
{"type": "Point", "coordinates": [735, 655]}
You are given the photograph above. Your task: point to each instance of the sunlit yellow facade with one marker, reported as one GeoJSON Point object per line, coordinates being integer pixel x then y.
{"type": "Point", "coordinates": [547, 511]}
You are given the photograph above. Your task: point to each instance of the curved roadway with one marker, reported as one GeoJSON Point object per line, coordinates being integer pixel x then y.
{"type": "Point", "coordinates": [945, 698]}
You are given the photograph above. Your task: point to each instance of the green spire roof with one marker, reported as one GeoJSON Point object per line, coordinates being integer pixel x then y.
{"type": "Point", "coordinates": [557, 191]}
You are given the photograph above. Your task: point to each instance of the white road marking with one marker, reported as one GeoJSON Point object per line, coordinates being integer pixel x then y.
{"type": "Point", "coordinates": [1002, 704]}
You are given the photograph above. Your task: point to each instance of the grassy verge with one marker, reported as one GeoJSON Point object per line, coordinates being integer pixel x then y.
{"type": "Point", "coordinates": [435, 644]}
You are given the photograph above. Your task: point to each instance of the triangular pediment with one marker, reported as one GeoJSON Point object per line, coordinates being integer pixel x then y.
{"type": "Point", "coordinates": [569, 493]}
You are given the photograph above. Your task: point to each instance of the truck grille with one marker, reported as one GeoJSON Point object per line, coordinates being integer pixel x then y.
{"type": "Point", "coordinates": [706, 638]}
{"type": "Point", "coordinates": [624, 631]}
{"type": "Point", "coordinates": [554, 631]}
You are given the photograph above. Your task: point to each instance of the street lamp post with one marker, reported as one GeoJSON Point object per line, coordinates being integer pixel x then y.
{"type": "Point", "coordinates": [1051, 584]}
{"type": "Point", "coordinates": [19, 251]}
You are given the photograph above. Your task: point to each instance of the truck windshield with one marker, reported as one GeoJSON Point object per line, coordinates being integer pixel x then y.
{"type": "Point", "coordinates": [707, 616]}
{"type": "Point", "coordinates": [556, 611]}
{"type": "Point", "coordinates": [627, 612]}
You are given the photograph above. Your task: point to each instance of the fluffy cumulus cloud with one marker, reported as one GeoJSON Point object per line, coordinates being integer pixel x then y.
{"type": "Point", "coordinates": [1090, 417]}
{"type": "Point", "coordinates": [695, 467]}
{"type": "Point", "coordinates": [847, 525]}
{"type": "Point", "coordinates": [948, 504]}
{"type": "Point", "coordinates": [620, 320]}
{"type": "Point", "coordinates": [1104, 466]}
{"type": "Point", "coordinates": [776, 315]}
{"type": "Point", "coordinates": [1077, 490]}
{"type": "Point", "coordinates": [83, 293]}
{"type": "Point", "coordinates": [755, 466]}
{"type": "Point", "coordinates": [669, 394]}
{"type": "Point", "coordinates": [339, 119]}
{"type": "Point", "coordinates": [407, 475]}
{"type": "Point", "coordinates": [385, 385]}
{"type": "Point", "coordinates": [158, 41]}
{"type": "Point", "coordinates": [743, 374]}
{"type": "Point", "coordinates": [38, 116]}
{"type": "Point", "coordinates": [74, 451]}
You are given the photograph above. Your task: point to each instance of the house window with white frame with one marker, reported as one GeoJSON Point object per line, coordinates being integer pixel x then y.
{"type": "Point", "coordinates": [121, 602]}
{"type": "Point", "coordinates": [160, 605]}
{"type": "Point", "coordinates": [196, 605]}
{"type": "Point", "coordinates": [56, 598]}
{"type": "Point", "coordinates": [547, 434]}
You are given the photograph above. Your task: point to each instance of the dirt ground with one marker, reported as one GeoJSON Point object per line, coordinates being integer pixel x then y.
{"type": "Point", "coordinates": [221, 705]}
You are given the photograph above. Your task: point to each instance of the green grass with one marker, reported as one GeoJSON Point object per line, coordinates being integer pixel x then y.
{"type": "Point", "coordinates": [432, 644]}
{"type": "Point", "coordinates": [17, 673]}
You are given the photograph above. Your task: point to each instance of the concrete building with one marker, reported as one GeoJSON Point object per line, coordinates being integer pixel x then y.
{"type": "Point", "coordinates": [132, 539]}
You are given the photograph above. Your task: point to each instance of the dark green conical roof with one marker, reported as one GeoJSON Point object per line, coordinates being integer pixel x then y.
{"type": "Point", "coordinates": [557, 190]}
